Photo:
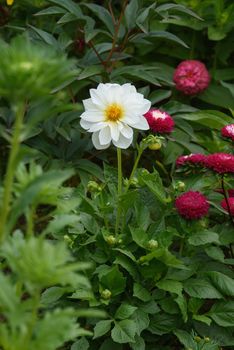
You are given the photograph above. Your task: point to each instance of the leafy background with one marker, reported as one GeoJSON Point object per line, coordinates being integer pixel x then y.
{"type": "Point", "coordinates": [163, 281]}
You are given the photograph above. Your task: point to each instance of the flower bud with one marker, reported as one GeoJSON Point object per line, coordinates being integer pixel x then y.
{"type": "Point", "coordinates": [155, 146]}
{"type": "Point", "coordinates": [207, 339]}
{"type": "Point", "coordinates": [197, 339]}
{"type": "Point", "coordinates": [152, 244]}
{"type": "Point", "coordinates": [179, 186]}
{"type": "Point", "coordinates": [106, 294]}
{"type": "Point", "coordinates": [141, 259]}
{"type": "Point", "coordinates": [93, 187]}
{"type": "Point", "coordinates": [111, 240]}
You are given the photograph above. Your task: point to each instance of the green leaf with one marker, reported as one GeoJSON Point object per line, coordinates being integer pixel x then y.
{"type": "Point", "coordinates": [166, 35]}
{"type": "Point", "coordinates": [112, 279]}
{"type": "Point", "coordinates": [211, 119]}
{"type": "Point", "coordinates": [223, 313]}
{"type": "Point", "coordinates": [222, 282]}
{"type": "Point", "coordinates": [46, 37]}
{"type": "Point", "coordinates": [202, 318]}
{"type": "Point", "coordinates": [159, 95]}
{"type": "Point", "coordinates": [154, 183]}
{"type": "Point", "coordinates": [103, 15]}
{"type": "Point", "coordinates": [52, 294]}
{"type": "Point", "coordinates": [70, 6]}
{"type": "Point", "coordinates": [131, 14]}
{"type": "Point", "coordinates": [81, 344]}
{"type": "Point", "coordinates": [101, 328]}
{"type": "Point", "coordinates": [125, 311]}
{"type": "Point", "coordinates": [215, 253]}
{"type": "Point", "coordinates": [178, 8]}
{"type": "Point", "coordinates": [185, 338]}
{"type": "Point", "coordinates": [124, 331]}
{"type": "Point", "coordinates": [139, 343]}
{"type": "Point", "coordinates": [90, 71]}
{"type": "Point", "coordinates": [143, 18]}
{"type": "Point", "coordinates": [203, 237]}
{"type": "Point", "coordinates": [141, 292]}
{"type": "Point", "coordinates": [141, 320]}
{"type": "Point", "coordinates": [218, 95]}
{"type": "Point", "coordinates": [128, 265]}
{"type": "Point", "coordinates": [170, 286]}
{"type": "Point", "coordinates": [181, 302]}
{"type": "Point", "coordinates": [53, 10]}
{"type": "Point", "coordinates": [200, 288]}
{"type": "Point", "coordinates": [163, 323]}
{"type": "Point", "coordinates": [139, 236]}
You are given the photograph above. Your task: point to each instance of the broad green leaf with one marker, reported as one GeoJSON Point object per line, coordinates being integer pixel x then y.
{"type": "Point", "coordinates": [90, 71]}
{"type": "Point", "coordinates": [112, 279]}
{"type": "Point", "coordinates": [166, 35]}
{"type": "Point", "coordinates": [103, 14]}
{"type": "Point", "coordinates": [223, 313]}
{"type": "Point", "coordinates": [202, 318]}
{"type": "Point", "coordinates": [52, 294]}
{"type": "Point", "coordinates": [139, 236]}
{"type": "Point", "coordinates": [141, 320]}
{"type": "Point", "coordinates": [159, 95]}
{"type": "Point", "coordinates": [185, 338]}
{"type": "Point", "coordinates": [124, 331]}
{"type": "Point", "coordinates": [128, 265]}
{"type": "Point", "coordinates": [178, 8]}
{"type": "Point", "coordinates": [201, 288]}
{"type": "Point", "coordinates": [222, 282]}
{"type": "Point", "coordinates": [53, 10]}
{"type": "Point", "coordinates": [125, 311]}
{"type": "Point", "coordinates": [215, 253]}
{"type": "Point", "coordinates": [163, 323]}
{"type": "Point", "coordinates": [218, 95]}
{"type": "Point", "coordinates": [139, 343]}
{"type": "Point", "coordinates": [140, 292]}
{"type": "Point", "coordinates": [101, 328]}
{"type": "Point", "coordinates": [170, 286]}
{"type": "Point", "coordinates": [181, 302]}
{"type": "Point", "coordinates": [211, 119]}
{"type": "Point", "coordinates": [81, 344]}
{"type": "Point", "coordinates": [153, 182]}
{"type": "Point", "coordinates": [46, 37]}
{"type": "Point", "coordinates": [203, 237]}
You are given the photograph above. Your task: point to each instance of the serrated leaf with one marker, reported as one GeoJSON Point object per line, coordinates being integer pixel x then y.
{"type": "Point", "coordinates": [101, 328]}
{"type": "Point", "coordinates": [222, 282]}
{"type": "Point", "coordinates": [125, 311]}
{"type": "Point", "coordinates": [170, 286]}
{"type": "Point", "coordinates": [124, 331]}
{"type": "Point", "coordinates": [201, 288]}
{"type": "Point", "coordinates": [141, 292]}
{"type": "Point", "coordinates": [223, 313]}
{"type": "Point", "coordinates": [203, 237]}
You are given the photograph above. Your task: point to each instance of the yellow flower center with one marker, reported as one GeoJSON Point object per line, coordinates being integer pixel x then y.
{"type": "Point", "coordinates": [114, 112]}
{"type": "Point", "coordinates": [10, 2]}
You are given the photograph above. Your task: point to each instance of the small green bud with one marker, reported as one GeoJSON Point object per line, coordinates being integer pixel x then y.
{"type": "Point", "coordinates": [120, 241]}
{"type": "Point", "coordinates": [197, 339]}
{"type": "Point", "coordinates": [106, 294]}
{"type": "Point", "coordinates": [155, 146]}
{"type": "Point", "coordinates": [94, 187]}
{"type": "Point", "coordinates": [179, 186]}
{"type": "Point", "coordinates": [141, 259]}
{"type": "Point", "coordinates": [152, 244]}
{"type": "Point", "coordinates": [111, 240]}
{"type": "Point", "coordinates": [207, 339]}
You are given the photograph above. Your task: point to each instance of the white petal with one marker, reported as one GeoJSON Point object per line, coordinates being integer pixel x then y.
{"type": "Point", "coordinates": [127, 131]}
{"type": "Point", "coordinates": [97, 97]}
{"type": "Point", "coordinates": [114, 129]}
{"type": "Point", "coordinates": [92, 117]}
{"type": "Point", "coordinates": [105, 135]}
{"type": "Point", "coordinates": [142, 124]}
{"type": "Point", "coordinates": [129, 88]}
{"type": "Point", "coordinates": [96, 142]}
{"type": "Point", "coordinates": [97, 126]}
{"type": "Point", "coordinates": [89, 105]}
{"type": "Point", "coordinates": [122, 142]}
{"type": "Point", "coordinates": [85, 125]}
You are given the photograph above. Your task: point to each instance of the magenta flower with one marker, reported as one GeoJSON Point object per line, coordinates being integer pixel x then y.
{"type": "Point", "coordinates": [231, 205]}
{"type": "Point", "coordinates": [192, 205]}
{"type": "Point", "coordinates": [228, 131]}
{"type": "Point", "coordinates": [191, 159]}
{"type": "Point", "coordinates": [191, 77]}
{"type": "Point", "coordinates": [220, 162]}
{"type": "Point", "coordinates": [160, 122]}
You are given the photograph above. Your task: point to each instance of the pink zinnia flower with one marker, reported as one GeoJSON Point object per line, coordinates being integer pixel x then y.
{"type": "Point", "coordinates": [220, 162]}
{"type": "Point", "coordinates": [191, 77]}
{"type": "Point", "coordinates": [192, 205]}
{"type": "Point", "coordinates": [193, 158]}
{"type": "Point", "coordinates": [228, 131]}
{"type": "Point", "coordinates": [160, 122]}
{"type": "Point", "coordinates": [231, 205]}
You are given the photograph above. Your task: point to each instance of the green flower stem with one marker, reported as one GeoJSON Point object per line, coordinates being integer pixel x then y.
{"type": "Point", "coordinates": [118, 215]}
{"type": "Point", "coordinates": [33, 320]}
{"type": "Point", "coordinates": [140, 151]}
{"type": "Point", "coordinates": [10, 172]}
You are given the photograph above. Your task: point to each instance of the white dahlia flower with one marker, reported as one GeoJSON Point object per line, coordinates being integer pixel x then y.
{"type": "Point", "coordinates": [111, 113]}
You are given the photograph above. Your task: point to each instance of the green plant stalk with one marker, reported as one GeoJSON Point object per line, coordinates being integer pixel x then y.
{"type": "Point", "coordinates": [33, 320]}
{"type": "Point", "coordinates": [10, 172]}
{"type": "Point", "coordinates": [30, 221]}
{"type": "Point", "coordinates": [140, 151]}
{"type": "Point", "coordinates": [118, 215]}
